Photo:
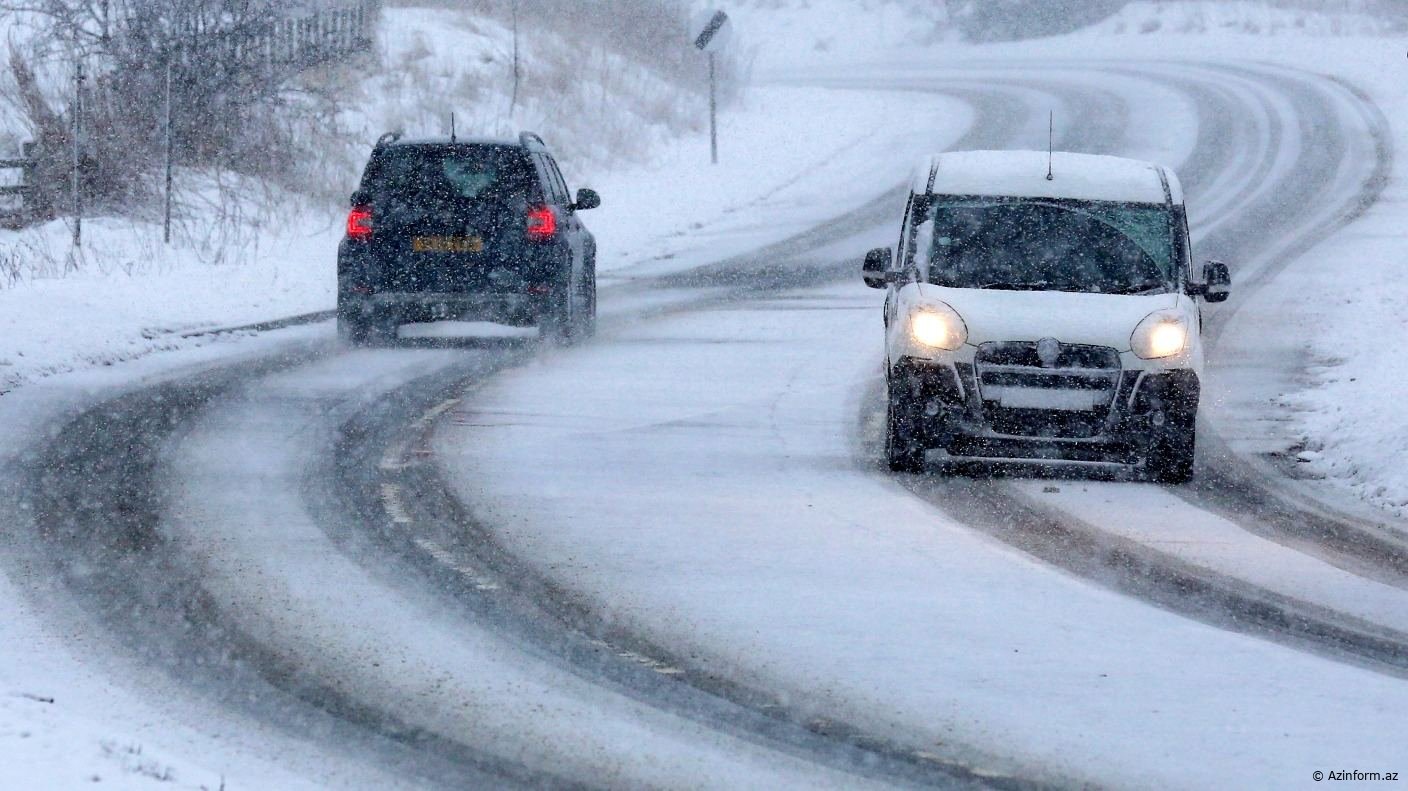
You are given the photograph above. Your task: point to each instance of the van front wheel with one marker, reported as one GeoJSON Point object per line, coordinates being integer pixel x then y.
{"type": "Point", "coordinates": [1171, 454]}
{"type": "Point", "coordinates": [904, 448]}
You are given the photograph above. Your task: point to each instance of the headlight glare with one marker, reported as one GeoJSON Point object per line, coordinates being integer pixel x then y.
{"type": "Point", "coordinates": [937, 326]}
{"type": "Point", "coordinates": [1160, 335]}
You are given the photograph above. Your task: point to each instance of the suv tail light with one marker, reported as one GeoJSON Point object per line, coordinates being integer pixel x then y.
{"type": "Point", "coordinates": [542, 223]}
{"type": "Point", "coordinates": [359, 223]}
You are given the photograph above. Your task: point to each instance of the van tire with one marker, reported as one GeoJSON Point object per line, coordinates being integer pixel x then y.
{"type": "Point", "coordinates": [1171, 454]}
{"type": "Point", "coordinates": [904, 446]}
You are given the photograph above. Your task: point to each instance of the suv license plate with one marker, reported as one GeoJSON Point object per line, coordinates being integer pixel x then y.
{"type": "Point", "coordinates": [447, 244]}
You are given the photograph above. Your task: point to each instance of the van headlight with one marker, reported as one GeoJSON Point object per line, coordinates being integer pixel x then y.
{"type": "Point", "coordinates": [1161, 334]}
{"type": "Point", "coordinates": [937, 326]}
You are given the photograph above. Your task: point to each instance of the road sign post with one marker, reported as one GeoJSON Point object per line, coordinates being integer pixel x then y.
{"type": "Point", "coordinates": [713, 33]}
{"type": "Point", "coordinates": [166, 225]}
{"type": "Point", "coordinates": [77, 155]}
{"type": "Point", "coordinates": [713, 113]}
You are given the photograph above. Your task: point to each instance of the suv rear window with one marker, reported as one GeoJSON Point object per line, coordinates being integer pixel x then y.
{"type": "Point", "coordinates": [450, 174]}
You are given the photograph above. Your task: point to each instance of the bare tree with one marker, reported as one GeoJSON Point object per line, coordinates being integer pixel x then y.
{"type": "Point", "coordinates": [229, 63]}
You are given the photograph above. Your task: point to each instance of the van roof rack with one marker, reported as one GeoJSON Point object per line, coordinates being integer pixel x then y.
{"type": "Point", "coordinates": [530, 139]}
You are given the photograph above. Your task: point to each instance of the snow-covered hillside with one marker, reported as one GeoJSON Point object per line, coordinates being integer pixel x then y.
{"type": "Point", "coordinates": [1253, 17]}
{"type": "Point", "coordinates": [776, 33]}
{"type": "Point", "coordinates": [596, 106]}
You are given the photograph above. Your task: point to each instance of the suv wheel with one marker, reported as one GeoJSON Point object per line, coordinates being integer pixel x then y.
{"type": "Point", "coordinates": [557, 322]}
{"type": "Point", "coordinates": [358, 327]}
{"type": "Point", "coordinates": [904, 447]}
{"type": "Point", "coordinates": [1171, 454]}
{"type": "Point", "coordinates": [364, 330]}
{"type": "Point", "coordinates": [586, 326]}
{"type": "Point", "coordinates": [352, 331]}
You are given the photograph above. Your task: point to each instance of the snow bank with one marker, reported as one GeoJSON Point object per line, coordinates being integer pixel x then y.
{"type": "Point", "coordinates": [125, 294]}
{"type": "Point", "coordinates": [1254, 17]}
{"type": "Point", "coordinates": [779, 33]}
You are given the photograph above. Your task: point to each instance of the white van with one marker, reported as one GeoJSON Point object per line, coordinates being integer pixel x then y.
{"type": "Point", "coordinates": [1041, 308]}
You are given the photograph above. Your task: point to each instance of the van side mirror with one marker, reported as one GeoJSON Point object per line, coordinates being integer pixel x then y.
{"type": "Point", "coordinates": [586, 199]}
{"type": "Point", "coordinates": [876, 269]}
{"type": "Point", "coordinates": [1217, 282]}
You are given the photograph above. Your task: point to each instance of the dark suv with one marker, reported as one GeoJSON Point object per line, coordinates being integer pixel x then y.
{"type": "Point", "coordinates": [466, 229]}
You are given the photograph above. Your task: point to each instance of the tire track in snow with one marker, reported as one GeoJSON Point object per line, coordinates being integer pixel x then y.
{"type": "Point", "coordinates": [766, 271]}
{"type": "Point", "coordinates": [150, 597]}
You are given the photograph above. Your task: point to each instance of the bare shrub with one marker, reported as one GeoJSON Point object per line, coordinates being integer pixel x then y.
{"type": "Point", "coordinates": [228, 67]}
{"type": "Point", "coordinates": [11, 267]}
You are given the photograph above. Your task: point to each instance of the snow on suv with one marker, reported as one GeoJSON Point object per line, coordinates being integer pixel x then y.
{"type": "Point", "coordinates": [1040, 308]}
{"type": "Point", "coordinates": [466, 229]}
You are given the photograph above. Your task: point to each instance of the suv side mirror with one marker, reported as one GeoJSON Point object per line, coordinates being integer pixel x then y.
{"type": "Point", "coordinates": [1217, 282]}
{"type": "Point", "coordinates": [876, 270]}
{"type": "Point", "coordinates": [586, 199]}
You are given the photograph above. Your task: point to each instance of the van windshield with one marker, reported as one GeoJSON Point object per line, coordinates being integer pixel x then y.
{"type": "Point", "coordinates": [1037, 245]}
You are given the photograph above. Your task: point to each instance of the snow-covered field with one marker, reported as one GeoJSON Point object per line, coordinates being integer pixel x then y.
{"type": "Point", "coordinates": [774, 33]}
{"type": "Point", "coordinates": [1249, 17]}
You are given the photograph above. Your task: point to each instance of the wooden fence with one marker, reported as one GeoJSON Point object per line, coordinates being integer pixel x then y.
{"type": "Point", "coordinates": [299, 40]}
{"type": "Point", "coordinates": [299, 37]}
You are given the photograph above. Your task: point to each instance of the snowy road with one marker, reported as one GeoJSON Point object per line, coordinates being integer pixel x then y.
{"type": "Point", "coordinates": [668, 558]}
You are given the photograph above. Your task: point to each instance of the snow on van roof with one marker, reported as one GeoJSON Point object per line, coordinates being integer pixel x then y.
{"type": "Point", "coordinates": [1023, 174]}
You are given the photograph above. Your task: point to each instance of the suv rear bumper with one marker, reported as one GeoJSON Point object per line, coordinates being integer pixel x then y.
{"type": "Point", "coordinates": [953, 417]}
{"type": "Point", "coordinates": [408, 307]}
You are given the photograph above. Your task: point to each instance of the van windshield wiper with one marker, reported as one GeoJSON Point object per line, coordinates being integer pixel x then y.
{"type": "Point", "coordinates": [1039, 285]}
{"type": "Point", "coordinates": [1139, 288]}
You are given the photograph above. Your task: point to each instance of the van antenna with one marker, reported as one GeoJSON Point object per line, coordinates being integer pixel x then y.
{"type": "Point", "coordinates": [1050, 145]}
{"type": "Point", "coordinates": [452, 126]}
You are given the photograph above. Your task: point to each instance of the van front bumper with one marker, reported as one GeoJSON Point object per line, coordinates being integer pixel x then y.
{"type": "Point", "coordinates": [957, 418]}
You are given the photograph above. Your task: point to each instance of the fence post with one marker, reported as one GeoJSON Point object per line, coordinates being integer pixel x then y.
{"type": "Point", "coordinates": [513, 99]}
{"type": "Point", "coordinates": [166, 234]}
{"type": "Point", "coordinates": [77, 156]}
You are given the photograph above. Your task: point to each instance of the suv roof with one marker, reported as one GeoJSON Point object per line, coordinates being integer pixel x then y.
{"type": "Point", "coordinates": [527, 140]}
{"type": "Point", "coordinates": [1022, 174]}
